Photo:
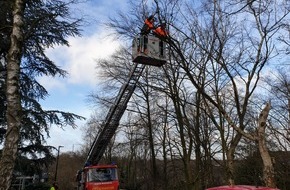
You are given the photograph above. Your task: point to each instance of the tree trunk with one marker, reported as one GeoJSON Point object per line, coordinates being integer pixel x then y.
{"type": "Point", "coordinates": [199, 176]}
{"type": "Point", "coordinates": [230, 166]}
{"type": "Point", "coordinates": [268, 171]}
{"type": "Point", "coordinates": [165, 181]}
{"type": "Point", "coordinates": [155, 174]}
{"type": "Point", "coordinates": [14, 110]}
{"type": "Point", "coordinates": [230, 159]}
{"type": "Point", "coordinates": [189, 183]}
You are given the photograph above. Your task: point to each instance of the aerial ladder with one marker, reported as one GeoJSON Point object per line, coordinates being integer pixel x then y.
{"type": "Point", "coordinates": [150, 52]}
{"type": "Point", "coordinates": [114, 116]}
{"type": "Point", "coordinates": [146, 50]}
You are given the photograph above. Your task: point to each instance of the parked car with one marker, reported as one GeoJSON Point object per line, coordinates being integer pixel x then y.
{"type": "Point", "coordinates": [241, 187]}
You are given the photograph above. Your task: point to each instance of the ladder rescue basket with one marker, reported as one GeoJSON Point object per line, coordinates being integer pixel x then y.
{"type": "Point", "coordinates": [149, 50]}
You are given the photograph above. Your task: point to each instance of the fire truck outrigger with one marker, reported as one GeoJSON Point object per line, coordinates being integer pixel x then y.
{"type": "Point", "coordinates": [146, 50]}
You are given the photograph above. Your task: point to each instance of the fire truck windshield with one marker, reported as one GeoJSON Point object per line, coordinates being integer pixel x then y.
{"type": "Point", "coordinates": [102, 174]}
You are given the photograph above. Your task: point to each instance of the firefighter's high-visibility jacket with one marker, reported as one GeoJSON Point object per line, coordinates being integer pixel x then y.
{"type": "Point", "coordinates": [148, 25]}
{"type": "Point", "coordinates": [160, 32]}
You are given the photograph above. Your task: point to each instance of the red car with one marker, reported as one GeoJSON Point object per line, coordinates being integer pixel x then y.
{"type": "Point", "coordinates": [241, 187]}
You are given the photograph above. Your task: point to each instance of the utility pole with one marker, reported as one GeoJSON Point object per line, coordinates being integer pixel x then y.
{"type": "Point", "coordinates": [56, 167]}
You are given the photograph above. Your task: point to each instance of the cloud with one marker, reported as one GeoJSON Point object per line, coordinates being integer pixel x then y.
{"type": "Point", "coordinates": [79, 59]}
{"type": "Point", "coordinates": [70, 139]}
{"type": "Point", "coordinates": [84, 52]}
{"type": "Point", "coordinates": [52, 83]}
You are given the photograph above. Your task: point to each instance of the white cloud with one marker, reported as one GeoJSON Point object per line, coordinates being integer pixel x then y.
{"type": "Point", "coordinates": [67, 94]}
{"type": "Point", "coordinates": [79, 58]}
{"type": "Point", "coordinates": [70, 139]}
{"type": "Point", "coordinates": [83, 53]}
{"type": "Point", "coordinates": [52, 83]}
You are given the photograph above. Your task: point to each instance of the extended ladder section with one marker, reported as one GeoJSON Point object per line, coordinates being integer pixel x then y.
{"type": "Point", "coordinates": [146, 50]}
{"type": "Point", "coordinates": [114, 116]}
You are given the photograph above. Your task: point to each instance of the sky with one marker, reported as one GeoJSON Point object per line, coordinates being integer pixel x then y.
{"type": "Point", "coordinates": [79, 60]}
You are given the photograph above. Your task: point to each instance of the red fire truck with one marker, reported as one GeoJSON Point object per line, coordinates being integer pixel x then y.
{"type": "Point", "coordinates": [105, 177]}
{"type": "Point", "coordinates": [98, 177]}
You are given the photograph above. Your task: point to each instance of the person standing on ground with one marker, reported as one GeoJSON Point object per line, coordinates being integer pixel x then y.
{"type": "Point", "coordinates": [54, 186]}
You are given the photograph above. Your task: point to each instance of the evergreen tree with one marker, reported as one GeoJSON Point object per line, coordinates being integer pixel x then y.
{"type": "Point", "coordinates": [44, 24]}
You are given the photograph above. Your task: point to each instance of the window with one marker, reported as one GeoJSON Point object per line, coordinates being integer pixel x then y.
{"type": "Point", "coordinates": [102, 174]}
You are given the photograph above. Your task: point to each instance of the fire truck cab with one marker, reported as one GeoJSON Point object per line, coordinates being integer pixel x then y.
{"type": "Point", "coordinates": [98, 177]}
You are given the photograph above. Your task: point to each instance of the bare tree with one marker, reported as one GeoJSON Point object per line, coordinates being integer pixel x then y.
{"type": "Point", "coordinates": [280, 96]}
{"type": "Point", "coordinates": [242, 63]}
{"type": "Point", "coordinates": [218, 48]}
{"type": "Point", "coordinates": [268, 173]}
